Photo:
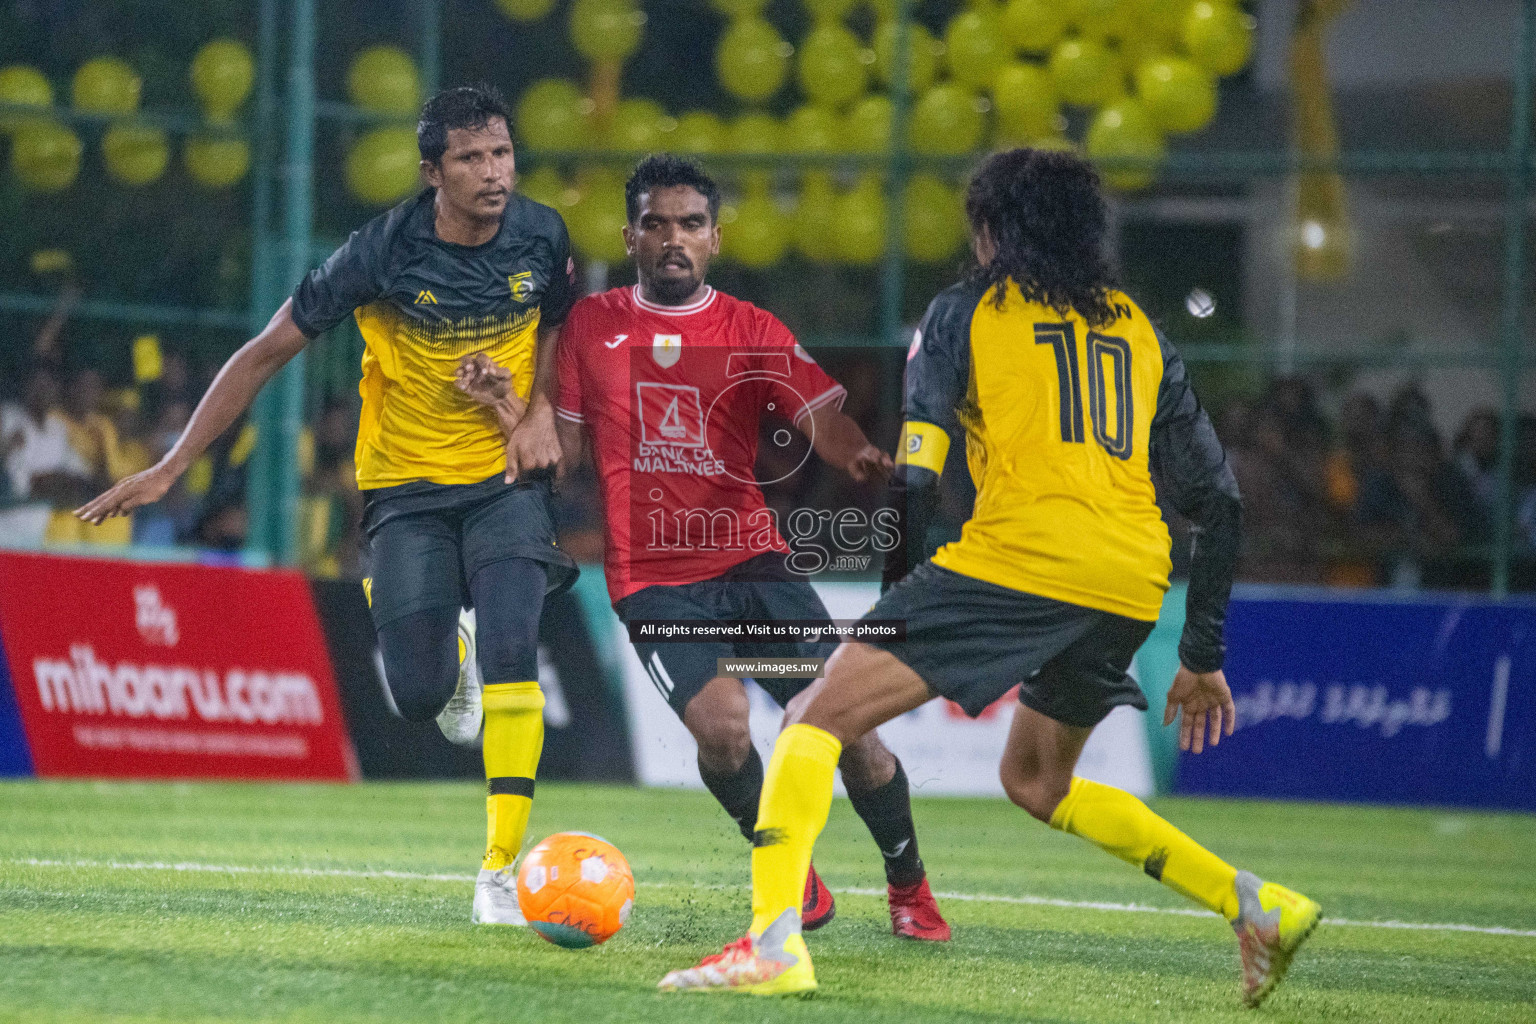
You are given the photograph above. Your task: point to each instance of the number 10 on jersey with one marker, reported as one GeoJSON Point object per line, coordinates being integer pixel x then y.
{"type": "Point", "coordinates": [1109, 363]}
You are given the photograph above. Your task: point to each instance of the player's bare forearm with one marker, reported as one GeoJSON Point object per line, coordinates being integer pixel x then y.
{"type": "Point", "coordinates": [533, 445]}
{"type": "Point", "coordinates": [570, 436]}
{"type": "Point", "coordinates": [230, 395]}
{"type": "Point", "coordinates": [839, 442]}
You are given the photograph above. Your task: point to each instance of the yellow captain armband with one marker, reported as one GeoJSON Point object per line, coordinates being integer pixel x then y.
{"type": "Point", "coordinates": [923, 445]}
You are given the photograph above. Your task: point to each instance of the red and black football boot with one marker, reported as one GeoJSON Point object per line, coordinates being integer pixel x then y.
{"type": "Point", "coordinates": [915, 913]}
{"type": "Point", "coordinates": [818, 907]}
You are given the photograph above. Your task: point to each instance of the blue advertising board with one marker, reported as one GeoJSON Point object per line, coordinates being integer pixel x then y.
{"type": "Point", "coordinates": [15, 759]}
{"type": "Point", "coordinates": [1427, 701]}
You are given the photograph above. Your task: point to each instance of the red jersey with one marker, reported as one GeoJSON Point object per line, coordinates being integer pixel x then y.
{"type": "Point", "coordinates": [672, 397]}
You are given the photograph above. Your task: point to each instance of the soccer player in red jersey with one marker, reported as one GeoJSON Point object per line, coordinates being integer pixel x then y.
{"type": "Point", "coordinates": [671, 379]}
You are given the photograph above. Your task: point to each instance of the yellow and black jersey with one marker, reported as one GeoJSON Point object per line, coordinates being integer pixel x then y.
{"type": "Point", "coordinates": [1065, 425]}
{"type": "Point", "coordinates": [422, 304]}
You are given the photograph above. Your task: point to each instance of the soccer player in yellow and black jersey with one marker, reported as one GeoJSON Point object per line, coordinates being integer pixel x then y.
{"type": "Point", "coordinates": [457, 493]}
{"type": "Point", "coordinates": [1070, 402]}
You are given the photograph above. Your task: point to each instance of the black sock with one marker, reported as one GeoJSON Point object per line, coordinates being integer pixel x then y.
{"type": "Point", "coordinates": [887, 813]}
{"type": "Point", "coordinates": [739, 791]}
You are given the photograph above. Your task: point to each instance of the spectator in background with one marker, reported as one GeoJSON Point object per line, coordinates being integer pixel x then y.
{"type": "Point", "coordinates": [1281, 479]}
{"type": "Point", "coordinates": [1525, 482]}
{"type": "Point", "coordinates": [1351, 560]}
{"type": "Point", "coordinates": [1420, 509]}
{"type": "Point", "coordinates": [333, 506]}
{"type": "Point", "coordinates": [34, 437]}
{"type": "Point", "coordinates": [1476, 456]}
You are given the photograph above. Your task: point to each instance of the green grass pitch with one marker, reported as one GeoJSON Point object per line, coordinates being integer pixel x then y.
{"type": "Point", "coordinates": [118, 903]}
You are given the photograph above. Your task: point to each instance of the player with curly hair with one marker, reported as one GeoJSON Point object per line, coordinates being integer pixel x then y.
{"type": "Point", "coordinates": [1070, 402]}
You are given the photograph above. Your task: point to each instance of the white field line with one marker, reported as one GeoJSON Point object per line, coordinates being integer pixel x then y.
{"type": "Point", "coordinates": [964, 897]}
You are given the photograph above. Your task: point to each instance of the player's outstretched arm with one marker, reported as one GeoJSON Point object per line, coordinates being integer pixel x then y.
{"type": "Point", "coordinates": [231, 393]}
{"type": "Point", "coordinates": [839, 442]}
{"type": "Point", "coordinates": [533, 445]}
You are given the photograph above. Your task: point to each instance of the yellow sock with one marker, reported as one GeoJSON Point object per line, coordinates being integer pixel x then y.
{"type": "Point", "coordinates": [797, 797]}
{"type": "Point", "coordinates": [1118, 823]}
{"type": "Point", "coordinates": [514, 739]}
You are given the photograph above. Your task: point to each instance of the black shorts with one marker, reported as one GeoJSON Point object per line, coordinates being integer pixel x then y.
{"type": "Point", "coordinates": [759, 588]}
{"type": "Point", "coordinates": [971, 641]}
{"type": "Point", "coordinates": [427, 541]}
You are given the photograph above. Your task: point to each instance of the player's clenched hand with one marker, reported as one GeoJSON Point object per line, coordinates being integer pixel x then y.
{"type": "Point", "coordinates": [144, 488]}
{"type": "Point", "coordinates": [482, 379]}
{"type": "Point", "coordinates": [1203, 697]}
{"type": "Point", "coordinates": [533, 445]}
{"type": "Point", "coordinates": [870, 463]}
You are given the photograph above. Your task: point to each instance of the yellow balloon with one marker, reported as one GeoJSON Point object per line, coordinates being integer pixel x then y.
{"type": "Point", "coordinates": [754, 135]}
{"type": "Point", "coordinates": [105, 85]}
{"type": "Point", "coordinates": [1122, 130]}
{"type": "Point", "coordinates": [25, 87]}
{"type": "Point", "coordinates": [384, 166]}
{"type": "Point", "coordinates": [858, 223]}
{"type": "Point", "coordinates": [826, 12]}
{"type": "Point", "coordinates": [597, 220]}
{"type": "Point", "coordinates": [946, 120]}
{"type": "Point", "coordinates": [45, 155]}
{"type": "Point", "coordinates": [1025, 100]}
{"type": "Point", "coordinates": [553, 114]}
{"type": "Point", "coordinates": [544, 186]}
{"type": "Point", "coordinates": [922, 57]}
{"type": "Point", "coordinates": [1033, 26]}
{"type": "Point", "coordinates": [832, 68]}
{"type": "Point", "coordinates": [222, 74]}
{"type": "Point", "coordinates": [933, 219]}
{"type": "Point", "coordinates": [699, 131]}
{"type": "Point", "coordinates": [383, 79]}
{"type": "Point", "coordinates": [974, 48]}
{"type": "Point", "coordinates": [606, 30]}
{"type": "Point", "coordinates": [811, 130]}
{"type": "Point", "coordinates": [216, 161]}
{"type": "Point", "coordinates": [1085, 72]}
{"type": "Point", "coordinates": [1091, 17]}
{"type": "Point", "coordinates": [752, 59]}
{"type": "Point", "coordinates": [867, 127]}
{"type": "Point", "coordinates": [639, 126]}
{"type": "Point", "coordinates": [1218, 37]}
{"type": "Point", "coordinates": [1180, 96]}
{"type": "Point", "coordinates": [135, 154]}
{"type": "Point", "coordinates": [757, 235]}
{"type": "Point", "coordinates": [525, 10]}
{"type": "Point", "coordinates": [811, 224]}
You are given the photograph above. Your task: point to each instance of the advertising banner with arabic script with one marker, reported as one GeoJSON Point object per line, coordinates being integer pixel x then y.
{"type": "Point", "coordinates": [135, 670]}
{"type": "Point", "coordinates": [1426, 700]}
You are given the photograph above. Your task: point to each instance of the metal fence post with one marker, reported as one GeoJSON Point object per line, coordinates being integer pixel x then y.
{"type": "Point", "coordinates": [1512, 340]}
{"type": "Point", "coordinates": [893, 268]}
{"type": "Point", "coordinates": [274, 522]}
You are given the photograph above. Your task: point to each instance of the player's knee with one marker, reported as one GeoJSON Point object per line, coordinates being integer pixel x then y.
{"type": "Point", "coordinates": [724, 742]}
{"type": "Point", "coordinates": [421, 663]}
{"type": "Point", "coordinates": [1037, 793]}
{"type": "Point", "coordinates": [509, 659]}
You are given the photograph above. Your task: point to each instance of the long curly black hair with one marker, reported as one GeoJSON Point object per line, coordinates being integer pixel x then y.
{"type": "Point", "coordinates": [1046, 217]}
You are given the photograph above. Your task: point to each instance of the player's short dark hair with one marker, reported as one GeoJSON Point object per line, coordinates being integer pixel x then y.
{"type": "Point", "coordinates": [1045, 214]}
{"type": "Point", "coordinates": [668, 171]}
{"type": "Point", "coordinates": [465, 106]}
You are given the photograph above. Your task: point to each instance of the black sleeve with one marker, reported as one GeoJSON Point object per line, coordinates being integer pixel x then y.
{"type": "Point", "coordinates": [560, 296]}
{"type": "Point", "coordinates": [937, 380]}
{"type": "Point", "coordinates": [352, 277]}
{"type": "Point", "coordinates": [1191, 470]}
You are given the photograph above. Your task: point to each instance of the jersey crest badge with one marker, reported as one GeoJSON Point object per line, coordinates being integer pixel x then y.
{"type": "Point", "coordinates": [666, 349]}
{"type": "Point", "coordinates": [521, 285]}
